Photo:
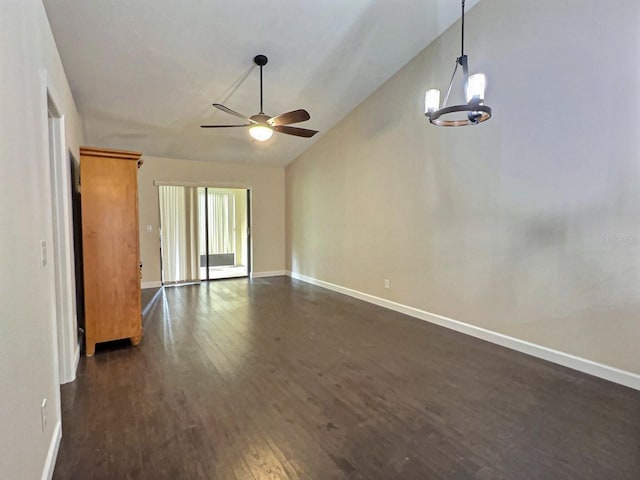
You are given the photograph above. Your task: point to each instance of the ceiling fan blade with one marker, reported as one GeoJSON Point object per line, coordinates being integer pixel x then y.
{"type": "Point", "coordinates": [298, 132]}
{"type": "Point", "coordinates": [225, 126]}
{"type": "Point", "coordinates": [296, 116]}
{"type": "Point", "coordinates": [231, 112]}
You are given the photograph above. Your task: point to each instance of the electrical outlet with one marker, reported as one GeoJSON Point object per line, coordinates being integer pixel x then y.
{"type": "Point", "coordinates": [386, 283]}
{"type": "Point", "coordinates": [149, 229]}
{"type": "Point", "coordinates": [43, 414]}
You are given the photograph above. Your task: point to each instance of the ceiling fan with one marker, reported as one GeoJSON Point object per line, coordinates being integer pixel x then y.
{"type": "Point", "coordinates": [261, 126]}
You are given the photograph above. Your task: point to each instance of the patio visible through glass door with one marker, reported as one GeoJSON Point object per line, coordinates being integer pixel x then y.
{"type": "Point", "coordinates": [222, 234]}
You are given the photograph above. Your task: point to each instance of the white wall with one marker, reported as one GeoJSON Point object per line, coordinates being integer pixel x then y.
{"type": "Point", "coordinates": [527, 225]}
{"type": "Point", "coordinates": [29, 63]}
{"type": "Point", "coordinates": [267, 206]}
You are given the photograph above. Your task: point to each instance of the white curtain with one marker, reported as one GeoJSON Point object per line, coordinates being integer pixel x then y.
{"type": "Point", "coordinates": [222, 220]}
{"type": "Point", "coordinates": [179, 221]}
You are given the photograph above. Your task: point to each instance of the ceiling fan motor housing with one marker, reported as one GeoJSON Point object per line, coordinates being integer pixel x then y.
{"type": "Point", "coordinates": [260, 118]}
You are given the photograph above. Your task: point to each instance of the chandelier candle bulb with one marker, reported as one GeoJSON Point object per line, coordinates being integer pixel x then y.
{"type": "Point", "coordinates": [431, 101]}
{"type": "Point", "coordinates": [476, 85]}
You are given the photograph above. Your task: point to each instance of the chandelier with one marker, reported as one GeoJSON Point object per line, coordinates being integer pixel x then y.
{"type": "Point", "coordinates": [476, 111]}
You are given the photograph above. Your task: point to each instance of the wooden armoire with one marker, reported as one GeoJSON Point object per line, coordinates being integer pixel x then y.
{"type": "Point", "coordinates": [110, 245]}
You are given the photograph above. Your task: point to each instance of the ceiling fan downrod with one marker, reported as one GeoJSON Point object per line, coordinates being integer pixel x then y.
{"type": "Point", "coordinates": [261, 61]}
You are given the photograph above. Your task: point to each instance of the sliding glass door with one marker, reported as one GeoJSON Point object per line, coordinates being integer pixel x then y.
{"type": "Point", "coordinates": [204, 233]}
{"type": "Point", "coordinates": [223, 236]}
{"type": "Point", "coordinates": [179, 228]}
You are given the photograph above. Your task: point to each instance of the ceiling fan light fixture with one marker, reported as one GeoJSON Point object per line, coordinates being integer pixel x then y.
{"type": "Point", "coordinates": [474, 85]}
{"type": "Point", "coordinates": [262, 133]}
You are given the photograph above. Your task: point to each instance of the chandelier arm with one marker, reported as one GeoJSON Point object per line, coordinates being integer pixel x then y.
{"type": "Point", "coordinates": [464, 61]}
{"type": "Point", "coordinates": [446, 97]}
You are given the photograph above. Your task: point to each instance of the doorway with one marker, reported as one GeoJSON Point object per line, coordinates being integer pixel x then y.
{"type": "Point", "coordinates": [62, 248]}
{"type": "Point", "coordinates": [223, 234]}
{"type": "Point", "coordinates": [204, 233]}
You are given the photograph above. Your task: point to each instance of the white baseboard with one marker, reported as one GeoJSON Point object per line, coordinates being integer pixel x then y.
{"type": "Point", "coordinates": [76, 361]}
{"type": "Point", "coordinates": [52, 454]}
{"type": "Point", "coordinates": [150, 284]}
{"type": "Point", "coordinates": [606, 372]}
{"type": "Point", "coordinates": [274, 273]}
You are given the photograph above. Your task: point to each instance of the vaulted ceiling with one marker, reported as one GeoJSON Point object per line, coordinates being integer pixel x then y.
{"type": "Point", "coordinates": [144, 73]}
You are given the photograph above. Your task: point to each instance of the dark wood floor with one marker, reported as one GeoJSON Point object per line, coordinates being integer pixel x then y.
{"type": "Point", "coordinates": [148, 298]}
{"type": "Point", "coordinates": [278, 379]}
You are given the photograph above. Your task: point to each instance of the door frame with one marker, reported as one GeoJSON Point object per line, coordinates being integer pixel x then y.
{"type": "Point", "coordinates": [62, 251]}
{"type": "Point", "coordinates": [249, 245]}
{"type": "Point", "coordinates": [206, 230]}
{"type": "Point", "coordinates": [232, 186]}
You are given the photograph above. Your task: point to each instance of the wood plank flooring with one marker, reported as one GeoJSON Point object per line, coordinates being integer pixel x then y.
{"type": "Point", "coordinates": [277, 379]}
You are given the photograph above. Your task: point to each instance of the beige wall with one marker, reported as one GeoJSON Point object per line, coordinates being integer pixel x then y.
{"type": "Point", "coordinates": [267, 208]}
{"type": "Point", "coordinates": [28, 351]}
{"type": "Point", "coordinates": [527, 225]}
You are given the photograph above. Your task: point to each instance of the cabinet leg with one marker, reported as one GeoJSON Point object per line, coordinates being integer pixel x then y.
{"type": "Point", "coordinates": [135, 341]}
{"type": "Point", "coordinates": [90, 349]}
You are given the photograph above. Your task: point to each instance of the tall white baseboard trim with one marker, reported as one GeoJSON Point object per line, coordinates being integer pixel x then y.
{"type": "Point", "coordinates": [606, 372]}
{"type": "Point", "coordinates": [76, 361]}
{"type": "Point", "coordinates": [150, 284]}
{"type": "Point", "coordinates": [52, 454]}
{"type": "Point", "coordinates": [274, 273]}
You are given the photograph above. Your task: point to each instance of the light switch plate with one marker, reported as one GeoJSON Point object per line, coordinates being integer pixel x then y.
{"type": "Point", "coordinates": [43, 253]}
{"type": "Point", "coordinates": [43, 414]}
